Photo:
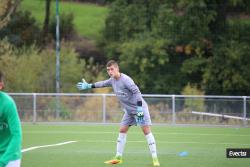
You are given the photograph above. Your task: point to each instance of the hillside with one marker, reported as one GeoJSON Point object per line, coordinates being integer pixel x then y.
{"type": "Point", "coordinates": [88, 18]}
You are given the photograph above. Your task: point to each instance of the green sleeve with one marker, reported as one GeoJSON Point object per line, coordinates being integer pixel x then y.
{"type": "Point", "coordinates": [13, 151]}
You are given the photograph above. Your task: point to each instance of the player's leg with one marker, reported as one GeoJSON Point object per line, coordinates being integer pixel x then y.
{"type": "Point", "coordinates": [121, 140]}
{"type": "Point", "coordinates": [126, 122]}
{"type": "Point", "coordinates": [151, 144]}
{"type": "Point", "coordinates": [145, 125]}
{"type": "Point", "coordinates": [16, 163]}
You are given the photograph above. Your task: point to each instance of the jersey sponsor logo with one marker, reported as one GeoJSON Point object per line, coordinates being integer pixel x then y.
{"type": "Point", "coordinates": [120, 93]}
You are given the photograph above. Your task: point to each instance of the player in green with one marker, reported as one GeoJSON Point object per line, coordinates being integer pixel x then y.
{"type": "Point", "coordinates": [10, 131]}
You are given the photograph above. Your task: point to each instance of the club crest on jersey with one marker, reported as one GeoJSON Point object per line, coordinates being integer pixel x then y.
{"type": "Point", "coordinates": [3, 125]}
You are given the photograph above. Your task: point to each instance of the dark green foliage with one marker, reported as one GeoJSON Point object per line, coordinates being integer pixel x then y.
{"type": "Point", "coordinates": [21, 30]}
{"type": "Point", "coordinates": [67, 29]}
{"type": "Point", "coordinates": [228, 70]}
{"type": "Point", "coordinates": [165, 45]}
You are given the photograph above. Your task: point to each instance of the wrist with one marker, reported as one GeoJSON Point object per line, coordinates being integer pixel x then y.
{"type": "Point", "coordinates": [139, 103]}
{"type": "Point", "coordinates": [89, 86]}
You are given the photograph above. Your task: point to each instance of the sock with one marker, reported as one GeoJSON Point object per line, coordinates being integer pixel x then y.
{"type": "Point", "coordinates": [152, 145]}
{"type": "Point", "coordinates": [121, 141]}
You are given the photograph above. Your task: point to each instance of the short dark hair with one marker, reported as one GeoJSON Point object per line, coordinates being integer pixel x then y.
{"type": "Point", "coordinates": [112, 62]}
{"type": "Point", "coordinates": [1, 76]}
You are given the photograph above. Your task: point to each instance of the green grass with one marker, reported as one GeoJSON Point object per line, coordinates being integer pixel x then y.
{"type": "Point", "coordinates": [88, 18]}
{"type": "Point", "coordinates": [97, 143]}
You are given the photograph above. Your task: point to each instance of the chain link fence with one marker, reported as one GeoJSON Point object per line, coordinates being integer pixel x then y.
{"type": "Point", "coordinates": [105, 108]}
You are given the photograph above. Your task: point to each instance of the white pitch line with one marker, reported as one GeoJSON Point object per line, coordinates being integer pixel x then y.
{"type": "Point", "coordinates": [50, 145]}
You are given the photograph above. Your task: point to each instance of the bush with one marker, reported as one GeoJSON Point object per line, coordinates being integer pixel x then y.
{"type": "Point", "coordinates": [21, 30]}
{"type": "Point", "coordinates": [29, 70]}
{"type": "Point", "coordinates": [193, 104]}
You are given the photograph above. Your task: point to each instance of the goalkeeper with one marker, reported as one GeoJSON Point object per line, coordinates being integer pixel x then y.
{"type": "Point", "coordinates": [10, 131]}
{"type": "Point", "coordinates": [136, 109]}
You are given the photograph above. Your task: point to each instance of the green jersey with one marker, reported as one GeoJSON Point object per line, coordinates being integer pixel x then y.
{"type": "Point", "coordinates": [10, 130]}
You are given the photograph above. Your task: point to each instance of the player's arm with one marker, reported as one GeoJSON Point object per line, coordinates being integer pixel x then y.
{"type": "Point", "coordinates": [137, 93]}
{"type": "Point", "coordinates": [14, 147]}
{"type": "Point", "coordinates": [135, 90]}
{"type": "Point", "coordinates": [84, 85]}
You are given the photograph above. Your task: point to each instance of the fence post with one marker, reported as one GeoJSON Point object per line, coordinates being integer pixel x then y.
{"type": "Point", "coordinates": [104, 108]}
{"type": "Point", "coordinates": [245, 110]}
{"type": "Point", "coordinates": [173, 109]}
{"type": "Point", "coordinates": [34, 108]}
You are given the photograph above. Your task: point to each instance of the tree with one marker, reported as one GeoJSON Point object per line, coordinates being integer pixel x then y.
{"type": "Point", "coordinates": [219, 67]}
{"type": "Point", "coordinates": [46, 20]}
{"type": "Point", "coordinates": [7, 7]}
{"type": "Point", "coordinates": [228, 71]}
{"type": "Point", "coordinates": [166, 45]}
{"type": "Point", "coordinates": [21, 29]}
{"type": "Point", "coordinates": [145, 35]}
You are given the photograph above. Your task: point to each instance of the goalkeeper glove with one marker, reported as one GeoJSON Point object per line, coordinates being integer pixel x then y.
{"type": "Point", "coordinates": [139, 114]}
{"type": "Point", "coordinates": [83, 85]}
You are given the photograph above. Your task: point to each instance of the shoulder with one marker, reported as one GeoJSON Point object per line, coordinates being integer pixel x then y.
{"type": "Point", "coordinates": [110, 80]}
{"type": "Point", "coordinates": [127, 79]}
{"type": "Point", "coordinates": [6, 99]}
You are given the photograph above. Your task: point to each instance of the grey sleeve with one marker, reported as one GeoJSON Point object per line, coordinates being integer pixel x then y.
{"type": "Point", "coordinates": [105, 83]}
{"type": "Point", "coordinates": [134, 89]}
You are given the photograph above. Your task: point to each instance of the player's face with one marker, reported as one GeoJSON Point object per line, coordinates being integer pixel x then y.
{"type": "Point", "coordinates": [113, 71]}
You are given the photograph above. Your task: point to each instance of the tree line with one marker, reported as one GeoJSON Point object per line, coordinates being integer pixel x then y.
{"type": "Point", "coordinates": [168, 47]}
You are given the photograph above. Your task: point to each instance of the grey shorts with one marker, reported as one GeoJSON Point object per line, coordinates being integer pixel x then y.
{"type": "Point", "coordinates": [129, 119]}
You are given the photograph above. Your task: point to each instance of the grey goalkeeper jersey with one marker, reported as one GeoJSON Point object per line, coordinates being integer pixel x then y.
{"type": "Point", "coordinates": [126, 90]}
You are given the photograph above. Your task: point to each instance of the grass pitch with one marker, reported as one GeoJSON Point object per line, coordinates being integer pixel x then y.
{"type": "Point", "coordinates": [94, 144]}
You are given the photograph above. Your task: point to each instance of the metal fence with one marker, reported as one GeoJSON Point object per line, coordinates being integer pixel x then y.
{"type": "Point", "coordinates": [104, 108]}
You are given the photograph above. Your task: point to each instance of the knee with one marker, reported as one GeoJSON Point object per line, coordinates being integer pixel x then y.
{"type": "Point", "coordinates": [123, 130]}
{"type": "Point", "coordinates": [146, 130]}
